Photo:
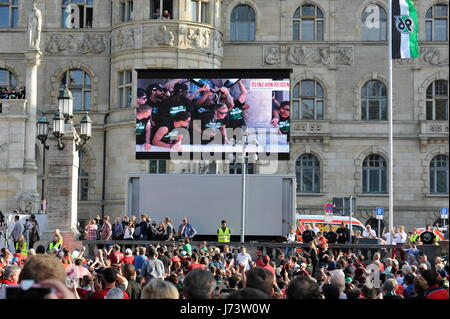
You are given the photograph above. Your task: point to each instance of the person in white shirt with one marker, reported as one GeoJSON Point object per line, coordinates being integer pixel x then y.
{"type": "Point", "coordinates": [290, 239]}
{"type": "Point", "coordinates": [387, 236]}
{"type": "Point", "coordinates": [314, 228]}
{"type": "Point", "coordinates": [129, 231]}
{"type": "Point", "coordinates": [243, 258]}
{"type": "Point", "coordinates": [369, 233]}
{"type": "Point", "coordinates": [400, 238]}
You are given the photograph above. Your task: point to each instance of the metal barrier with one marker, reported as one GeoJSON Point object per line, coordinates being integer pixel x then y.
{"type": "Point", "coordinates": [386, 250]}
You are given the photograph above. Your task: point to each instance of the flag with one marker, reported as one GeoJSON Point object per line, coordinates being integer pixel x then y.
{"type": "Point", "coordinates": [405, 27]}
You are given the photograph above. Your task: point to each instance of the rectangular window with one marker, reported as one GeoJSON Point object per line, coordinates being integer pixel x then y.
{"type": "Point", "coordinates": [441, 179]}
{"type": "Point", "coordinates": [204, 12]}
{"type": "Point", "coordinates": [429, 31]}
{"type": "Point", "coordinates": [77, 14]}
{"type": "Point", "coordinates": [83, 189]}
{"type": "Point", "coordinates": [429, 110]}
{"type": "Point", "coordinates": [125, 86]}
{"type": "Point", "coordinates": [440, 30]}
{"type": "Point", "coordinates": [4, 16]}
{"type": "Point", "coordinates": [307, 110]}
{"type": "Point", "coordinates": [307, 30]}
{"type": "Point", "coordinates": [157, 167]}
{"type": "Point", "coordinates": [441, 110]}
{"type": "Point", "coordinates": [194, 10]}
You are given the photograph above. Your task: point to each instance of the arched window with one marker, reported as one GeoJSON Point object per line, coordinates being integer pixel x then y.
{"type": "Point", "coordinates": [7, 79]}
{"type": "Point", "coordinates": [242, 23]}
{"type": "Point", "coordinates": [79, 83]}
{"type": "Point", "coordinates": [307, 170]}
{"type": "Point", "coordinates": [373, 23]}
{"type": "Point", "coordinates": [437, 101]}
{"type": "Point", "coordinates": [436, 23]}
{"type": "Point", "coordinates": [439, 174]}
{"type": "Point", "coordinates": [83, 176]}
{"type": "Point", "coordinates": [77, 14]}
{"type": "Point", "coordinates": [9, 13]}
{"type": "Point", "coordinates": [308, 101]}
{"type": "Point", "coordinates": [374, 101]}
{"type": "Point", "coordinates": [308, 24]}
{"type": "Point", "coordinates": [374, 174]}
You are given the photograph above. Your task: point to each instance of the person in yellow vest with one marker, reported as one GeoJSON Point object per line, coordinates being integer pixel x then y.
{"type": "Point", "coordinates": [54, 246]}
{"type": "Point", "coordinates": [21, 246]}
{"type": "Point", "coordinates": [223, 233]}
{"type": "Point", "coordinates": [414, 238]}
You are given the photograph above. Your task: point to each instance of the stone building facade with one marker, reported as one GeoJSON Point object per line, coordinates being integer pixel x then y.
{"type": "Point", "coordinates": [323, 41]}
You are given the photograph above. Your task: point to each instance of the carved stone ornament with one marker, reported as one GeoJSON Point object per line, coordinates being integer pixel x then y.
{"type": "Point", "coordinates": [272, 55]}
{"type": "Point", "coordinates": [344, 56]}
{"type": "Point", "coordinates": [301, 55]}
{"type": "Point", "coordinates": [125, 38]}
{"type": "Point", "coordinates": [433, 56]}
{"type": "Point", "coordinates": [218, 43]}
{"type": "Point", "coordinates": [159, 35]}
{"type": "Point", "coordinates": [197, 38]}
{"type": "Point", "coordinates": [75, 44]}
{"type": "Point", "coordinates": [28, 203]}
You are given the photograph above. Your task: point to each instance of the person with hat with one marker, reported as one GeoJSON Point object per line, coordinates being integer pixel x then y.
{"type": "Point", "coordinates": [157, 100]}
{"type": "Point", "coordinates": [223, 233]}
{"type": "Point", "coordinates": [141, 98]}
{"type": "Point", "coordinates": [266, 261]}
{"type": "Point", "coordinates": [259, 259]}
{"type": "Point", "coordinates": [212, 121]}
{"type": "Point", "coordinates": [171, 135]}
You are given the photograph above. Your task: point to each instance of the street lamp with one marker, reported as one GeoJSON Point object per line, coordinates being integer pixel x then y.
{"type": "Point", "coordinates": [42, 135]}
{"type": "Point", "coordinates": [65, 104]}
{"type": "Point", "coordinates": [64, 116]}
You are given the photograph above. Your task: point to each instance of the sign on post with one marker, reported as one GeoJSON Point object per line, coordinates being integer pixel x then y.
{"type": "Point", "coordinates": [328, 208]}
{"type": "Point", "coordinates": [380, 212]}
{"type": "Point", "coordinates": [444, 213]}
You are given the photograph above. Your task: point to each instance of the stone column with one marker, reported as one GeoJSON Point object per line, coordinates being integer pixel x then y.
{"type": "Point", "coordinates": [32, 61]}
{"type": "Point", "coordinates": [62, 188]}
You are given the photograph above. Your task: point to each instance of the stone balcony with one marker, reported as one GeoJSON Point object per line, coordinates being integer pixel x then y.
{"type": "Point", "coordinates": [167, 34]}
{"type": "Point", "coordinates": [12, 107]}
{"type": "Point", "coordinates": [434, 128]}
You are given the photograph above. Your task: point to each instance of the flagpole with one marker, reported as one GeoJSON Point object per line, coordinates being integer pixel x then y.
{"type": "Point", "coordinates": [390, 113]}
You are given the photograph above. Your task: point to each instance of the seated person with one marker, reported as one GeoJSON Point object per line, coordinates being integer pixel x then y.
{"type": "Point", "coordinates": [169, 134]}
{"type": "Point", "coordinates": [212, 121]}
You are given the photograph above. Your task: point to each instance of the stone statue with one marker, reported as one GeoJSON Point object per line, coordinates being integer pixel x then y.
{"type": "Point", "coordinates": [296, 55]}
{"type": "Point", "coordinates": [324, 56]}
{"type": "Point", "coordinates": [345, 56]}
{"type": "Point", "coordinates": [34, 27]}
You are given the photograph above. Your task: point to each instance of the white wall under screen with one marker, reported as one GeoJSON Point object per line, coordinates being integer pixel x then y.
{"type": "Point", "coordinates": [208, 199]}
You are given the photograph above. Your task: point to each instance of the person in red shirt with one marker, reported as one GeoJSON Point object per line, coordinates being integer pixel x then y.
{"type": "Point", "coordinates": [129, 258]}
{"type": "Point", "coordinates": [195, 264]}
{"type": "Point", "coordinates": [266, 260]}
{"type": "Point", "coordinates": [259, 259]}
{"type": "Point", "coordinates": [116, 257]}
{"type": "Point", "coordinates": [110, 276]}
{"type": "Point", "coordinates": [434, 291]}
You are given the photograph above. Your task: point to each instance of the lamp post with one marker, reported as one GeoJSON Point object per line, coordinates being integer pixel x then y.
{"type": "Point", "coordinates": [42, 135]}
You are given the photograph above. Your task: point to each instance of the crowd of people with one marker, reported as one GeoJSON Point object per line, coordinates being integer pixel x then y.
{"type": "Point", "coordinates": [166, 111]}
{"type": "Point", "coordinates": [12, 93]}
{"type": "Point", "coordinates": [179, 270]}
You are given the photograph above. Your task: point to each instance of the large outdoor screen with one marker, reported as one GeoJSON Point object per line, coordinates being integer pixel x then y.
{"type": "Point", "coordinates": [209, 114]}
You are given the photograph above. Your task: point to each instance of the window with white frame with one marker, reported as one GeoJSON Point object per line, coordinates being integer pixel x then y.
{"type": "Point", "coordinates": [79, 84]}
{"type": "Point", "coordinates": [436, 23]}
{"type": "Point", "coordinates": [308, 101]}
{"type": "Point", "coordinates": [374, 174]}
{"type": "Point", "coordinates": [161, 9]}
{"type": "Point", "coordinates": [242, 23]}
{"type": "Point", "coordinates": [373, 23]}
{"type": "Point", "coordinates": [199, 10]}
{"type": "Point", "coordinates": [374, 101]}
{"type": "Point", "coordinates": [126, 11]}
{"type": "Point", "coordinates": [7, 79]}
{"type": "Point", "coordinates": [77, 14]}
{"type": "Point", "coordinates": [437, 101]}
{"type": "Point", "coordinates": [9, 13]}
{"type": "Point", "coordinates": [307, 170]}
{"type": "Point", "coordinates": [439, 175]}
{"type": "Point", "coordinates": [125, 87]}
{"type": "Point", "coordinates": [308, 24]}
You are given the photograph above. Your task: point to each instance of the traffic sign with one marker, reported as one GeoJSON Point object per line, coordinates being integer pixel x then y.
{"type": "Point", "coordinates": [444, 213]}
{"type": "Point", "coordinates": [328, 208]}
{"type": "Point", "coordinates": [379, 212]}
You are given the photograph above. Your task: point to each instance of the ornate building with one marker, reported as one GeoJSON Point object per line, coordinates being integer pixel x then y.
{"type": "Point", "coordinates": [339, 92]}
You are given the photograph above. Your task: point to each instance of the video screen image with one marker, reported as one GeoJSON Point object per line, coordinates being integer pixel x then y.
{"type": "Point", "coordinates": [205, 115]}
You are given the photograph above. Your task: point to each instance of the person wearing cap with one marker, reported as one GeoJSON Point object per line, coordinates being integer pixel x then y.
{"type": "Point", "coordinates": [128, 258]}
{"type": "Point", "coordinates": [266, 261]}
{"type": "Point", "coordinates": [223, 233]}
{"type": "Point", "coordinates": [141, 98]}
{"type": "Point", "coordinates": [156, 99]}
{"type": "Point", "coordinates": [170, 135]}
{"type": "Point", "coordinates": [259, 259]}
